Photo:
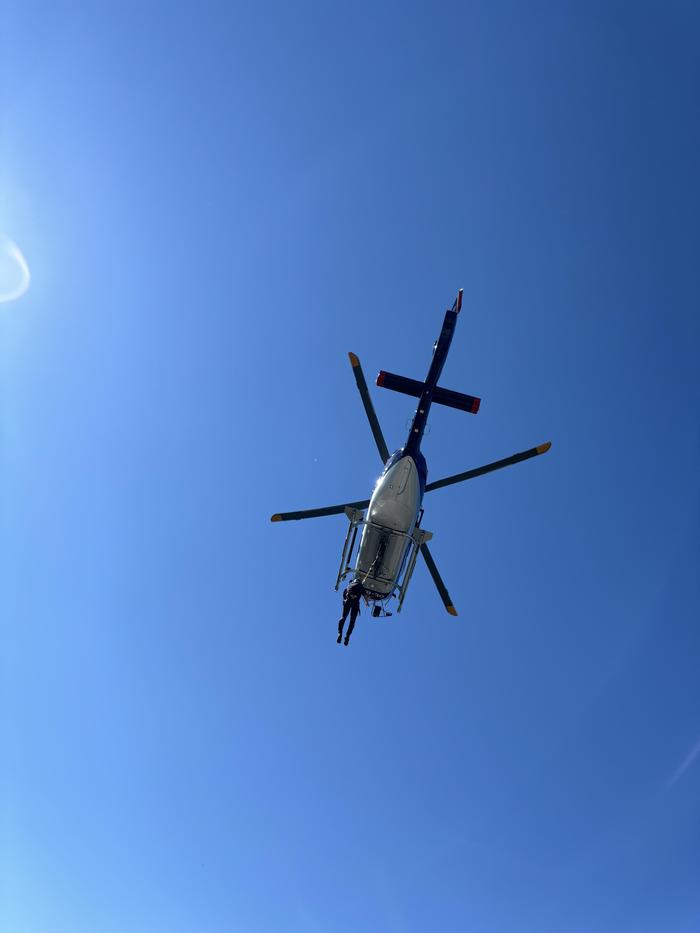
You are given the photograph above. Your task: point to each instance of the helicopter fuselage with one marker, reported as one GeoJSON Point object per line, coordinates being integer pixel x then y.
{"type": "Point", "coordinates": [392, 515]}
{"type": "Point", "coordinates": [395, 507]}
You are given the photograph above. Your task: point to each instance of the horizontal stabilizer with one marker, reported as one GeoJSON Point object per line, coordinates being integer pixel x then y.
{"type": "Point", "coordinates": [441, 396]}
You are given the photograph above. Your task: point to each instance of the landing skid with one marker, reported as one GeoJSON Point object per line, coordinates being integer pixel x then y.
{"type": "Point", "coordinates": [357, 520]}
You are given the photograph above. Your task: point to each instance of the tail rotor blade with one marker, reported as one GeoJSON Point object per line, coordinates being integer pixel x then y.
{"type": "Point", "coordinates": [437, 579]}
{"type": "Point", "coordinates": [489, 467]}
{"type": "Point", "coordinates": [369, 407]}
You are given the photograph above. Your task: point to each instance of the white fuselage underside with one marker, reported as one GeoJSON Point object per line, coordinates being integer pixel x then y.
{"type": "Point", "coordinates": [391, 518]}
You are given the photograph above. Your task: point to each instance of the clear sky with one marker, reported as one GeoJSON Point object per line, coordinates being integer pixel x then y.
{"type": "Point", "coordinates": [216, 202]}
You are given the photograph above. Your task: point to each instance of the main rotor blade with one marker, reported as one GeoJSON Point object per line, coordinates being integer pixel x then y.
{"type": "Point", "coordinates": [369, 407]}
{"type": "Point", "coordinates": [318, 513]}
{"type": "Point", "coordinates": [489, 468]}
{"type": "Point", "coordinates": [437, 579]}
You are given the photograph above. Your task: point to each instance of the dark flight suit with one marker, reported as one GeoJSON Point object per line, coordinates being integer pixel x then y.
{"type": "Point", "coordinates": [351, 605]}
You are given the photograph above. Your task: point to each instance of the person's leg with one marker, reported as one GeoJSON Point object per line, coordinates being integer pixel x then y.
{"type": "Point", "coordinates": [341, 621]}
{"type": "Point", "coordinates": [353, 615]}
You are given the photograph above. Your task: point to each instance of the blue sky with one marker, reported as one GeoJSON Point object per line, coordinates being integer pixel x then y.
{"type": "Point", "coordinates": [217, 202]}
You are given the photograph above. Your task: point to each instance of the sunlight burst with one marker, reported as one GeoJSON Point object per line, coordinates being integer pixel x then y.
{"type": "Point", "coordinates": [14, 271]}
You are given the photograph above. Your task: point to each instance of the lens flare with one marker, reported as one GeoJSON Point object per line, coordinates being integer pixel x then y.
{"type": "Point", "coordinates": [14, 271]}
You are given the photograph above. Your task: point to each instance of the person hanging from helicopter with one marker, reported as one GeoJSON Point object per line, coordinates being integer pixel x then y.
{"type": "Point", "coordinates": [352, 595]}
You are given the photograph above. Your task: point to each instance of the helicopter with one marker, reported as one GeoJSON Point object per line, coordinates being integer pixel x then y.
{"type": "Point", "coordinates": [391, 533]}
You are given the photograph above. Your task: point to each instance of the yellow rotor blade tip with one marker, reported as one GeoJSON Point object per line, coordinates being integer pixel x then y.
{"type": "Point", "coordinates": [276, 517]}
{"type": "Point", "coordinates": [452, 611]}
{"type": "Point", "coordinates": [543, 448]}
{"type": "Point", "coordinates": [354, 360]}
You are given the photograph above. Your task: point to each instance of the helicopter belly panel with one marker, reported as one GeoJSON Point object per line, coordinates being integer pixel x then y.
{"type": "Point", "coordinates": [391, 518]}
{"type": "Point", "coordinates": [396, 498]}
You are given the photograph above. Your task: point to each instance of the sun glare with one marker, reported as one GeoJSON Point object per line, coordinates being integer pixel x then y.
{"type": "Point", "coordinates": [14, 271]}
